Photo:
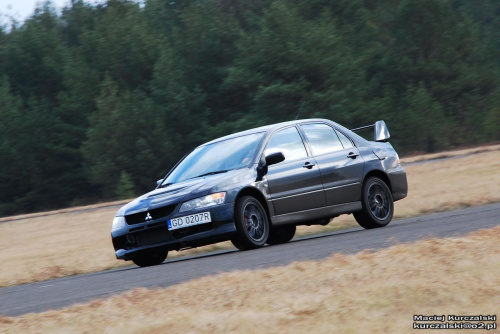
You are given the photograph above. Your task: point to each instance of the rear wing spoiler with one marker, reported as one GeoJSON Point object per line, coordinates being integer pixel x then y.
{"type": "Point", "coordinates": [380, 133]}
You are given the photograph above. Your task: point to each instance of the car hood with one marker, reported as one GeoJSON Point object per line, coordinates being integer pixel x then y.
{"type": "Point", "coordinates": [184, 191]}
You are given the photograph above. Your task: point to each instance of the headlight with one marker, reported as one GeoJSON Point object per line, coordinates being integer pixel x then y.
{"type": "Point", "coordinates": [118, 222]}
{"type": "Point", "coordinates": [203, 202]}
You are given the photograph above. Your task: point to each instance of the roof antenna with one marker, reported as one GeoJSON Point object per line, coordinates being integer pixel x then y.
{"type": "Point", "coordinates": [300, 110]}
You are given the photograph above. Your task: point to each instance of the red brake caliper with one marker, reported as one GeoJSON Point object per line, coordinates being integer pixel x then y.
{"type": "Point", "coordinates": [246, 221]}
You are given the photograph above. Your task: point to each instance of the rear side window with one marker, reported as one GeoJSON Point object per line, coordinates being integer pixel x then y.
{"type": "Point", "coordinates": [288, 142]}
{"type": "Point", "coordinates": [322, 138]}
{"type": "Point", "coordinates": [345, 141]}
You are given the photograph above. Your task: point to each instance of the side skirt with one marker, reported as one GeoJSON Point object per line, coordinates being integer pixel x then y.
{"type": "Point", "coordinates": [313, 214]}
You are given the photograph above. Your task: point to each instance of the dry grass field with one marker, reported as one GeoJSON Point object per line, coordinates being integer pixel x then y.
{"type": "Point", "coordinates": [69, 242]}
{"type": "Point", "coordinates": [363, 293]}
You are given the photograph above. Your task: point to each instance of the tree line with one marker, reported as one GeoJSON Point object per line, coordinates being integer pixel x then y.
{"type": "Point", "coordinates": [99, 101]}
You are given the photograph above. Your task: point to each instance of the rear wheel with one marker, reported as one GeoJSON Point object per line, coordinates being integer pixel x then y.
{"type": "Point", "coordinates": [151, 258]}
{"type": "Point", "coordinates": [281, 234]}
{"type": "Point", "coordinates": [252, 226]}
{"type": "Point", "coordinates": [378, 205]}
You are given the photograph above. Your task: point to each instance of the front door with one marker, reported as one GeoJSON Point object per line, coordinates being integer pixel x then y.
{"type": "Point", "coordinates": [295, 184]}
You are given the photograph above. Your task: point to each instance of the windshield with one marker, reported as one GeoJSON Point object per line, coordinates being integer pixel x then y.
{"type": "Point", "coordinates": [218, 157]}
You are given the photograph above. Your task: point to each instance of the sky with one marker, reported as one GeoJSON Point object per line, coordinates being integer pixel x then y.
{"type": "Point", "coordinates": [20, 10]}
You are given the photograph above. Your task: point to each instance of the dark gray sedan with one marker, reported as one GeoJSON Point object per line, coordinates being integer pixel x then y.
{"type": "Point", "coordinates": [255, 187]}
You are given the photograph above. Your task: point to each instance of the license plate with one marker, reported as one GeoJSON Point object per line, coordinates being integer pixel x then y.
{"type": "Point", "coordinates": [191, 220]}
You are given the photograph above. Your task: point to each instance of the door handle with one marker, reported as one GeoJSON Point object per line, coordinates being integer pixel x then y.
{"type": "Point", "coordinates": [352, 155]}
{"type": "Point", "coordinates": [308, 165]}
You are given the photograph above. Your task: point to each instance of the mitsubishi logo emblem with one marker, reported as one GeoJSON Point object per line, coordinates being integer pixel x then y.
{"type": "Point", "coordinates": [148, 217]}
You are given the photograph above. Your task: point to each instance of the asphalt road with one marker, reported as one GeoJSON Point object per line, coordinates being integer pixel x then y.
{"type": "Point", "coordinates": [59, 293]}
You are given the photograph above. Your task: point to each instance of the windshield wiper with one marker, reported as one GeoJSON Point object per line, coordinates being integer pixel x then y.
{"type": "Point", "coordinates": [212, 173]}
{"type": "Point", "coordinates": [165, 185]}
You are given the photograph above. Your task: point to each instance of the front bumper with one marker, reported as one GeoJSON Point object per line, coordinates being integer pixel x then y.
{"type": "Point", "coordinates": [134, 239]}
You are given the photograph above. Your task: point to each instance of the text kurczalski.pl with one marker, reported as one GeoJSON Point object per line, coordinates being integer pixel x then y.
{"type": "Point", "coordinates": [453, 317]}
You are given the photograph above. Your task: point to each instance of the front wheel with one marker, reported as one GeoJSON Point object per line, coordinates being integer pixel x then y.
{"type": "Point", "coordinates": [378, 205]}
{"type": "Point", "coordinates": [252, 226]}
{"type": "Point", "coordinates": [151, 258]}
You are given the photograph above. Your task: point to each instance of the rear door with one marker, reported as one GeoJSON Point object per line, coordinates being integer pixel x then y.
{"type": "Point", "coordinates": [295, 184]}
{"type": "Point", "coordinates": [339, 162]}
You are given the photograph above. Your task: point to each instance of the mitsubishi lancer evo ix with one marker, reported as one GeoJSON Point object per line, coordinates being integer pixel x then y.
{"type": "Point", "coordinates": [254, 187]}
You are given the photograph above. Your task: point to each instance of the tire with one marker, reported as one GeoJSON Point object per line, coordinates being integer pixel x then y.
{"type": "Point", "coordinates": [378, 205]}
{"type": "Point", "coordinates": [281, 235]}
{"type": "Point", "coordinates": [151, 258]}
{"type": "Point", "coordinates": [252, 225]}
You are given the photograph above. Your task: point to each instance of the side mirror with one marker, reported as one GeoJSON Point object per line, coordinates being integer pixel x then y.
{"type": "Point", "coordinates": [274, 158]}
{"type": "Point", "coordinates": [159, 182]}
{"type": "Point", "coordinates": [381, 131]}
{"type": "Point", "coordinates": [270, 159]}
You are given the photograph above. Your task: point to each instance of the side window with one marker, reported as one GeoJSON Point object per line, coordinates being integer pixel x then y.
{"type": "Point", "coordinates": [345, 141]}
{"type": "Point", "coordinates": [289, 142]}
{"type": "Point", "coordinates": [322, 138]}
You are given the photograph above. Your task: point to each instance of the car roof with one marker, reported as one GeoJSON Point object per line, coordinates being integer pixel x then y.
{"type": "Point", "coordinates": [272, 127]}
{"type": "Point", "coordinates": [266, 128]}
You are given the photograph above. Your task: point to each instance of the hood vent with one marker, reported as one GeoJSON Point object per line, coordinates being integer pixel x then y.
{"type": "Point", "coordinates": [165, 192]}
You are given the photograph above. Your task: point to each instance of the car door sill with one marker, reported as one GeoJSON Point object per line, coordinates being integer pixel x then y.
{"type": "Point", "coordinates": [303, 217]}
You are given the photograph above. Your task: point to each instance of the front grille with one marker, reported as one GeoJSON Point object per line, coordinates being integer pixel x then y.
{"type": "Point", "coordinates": [152, 236]}
{"type": "Point", "coordinates": [140, 217]}
{"type": "Point", "coordinates": [187, 231]}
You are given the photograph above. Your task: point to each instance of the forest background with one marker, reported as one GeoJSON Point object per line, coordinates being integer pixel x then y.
{"type": "Point", "coordinates": [99, 101]}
